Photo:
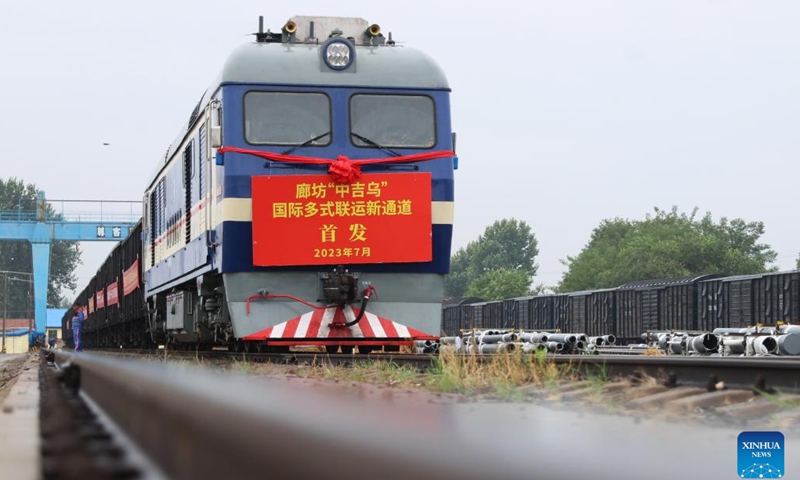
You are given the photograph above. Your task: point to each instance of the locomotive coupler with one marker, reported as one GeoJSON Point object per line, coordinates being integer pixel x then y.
{"type": "Point", "coordinates": [340, 286]}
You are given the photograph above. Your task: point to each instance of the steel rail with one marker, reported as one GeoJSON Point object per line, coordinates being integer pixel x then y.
{"type": "Point", "coordinates": [762, 374]}
{"type": "Point", "coordinates": [417, 360]}
{"type": "Point", "coordinates": [195, 424]}
{"type": "Point", "coordinates": [759, 373]}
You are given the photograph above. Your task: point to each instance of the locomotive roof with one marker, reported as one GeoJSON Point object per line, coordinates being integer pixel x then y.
{"type": "Point", "coordinates": [301, 64]}
{"type": "Point", "coordinates": [296, 64]}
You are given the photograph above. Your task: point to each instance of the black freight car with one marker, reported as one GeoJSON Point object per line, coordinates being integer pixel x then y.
{"type": "Point", "coordinates": [536, 313]}
{"type": "Point", "coordinates": [522, 313]}
{"type": "Point", "coordinates": [458, 315]}
{"type": "Point", "coordinates": [91, 324]}
{"type": "Point", "coordinates": [492, 316]}
{"type": "Point", "coordinates": [113, 300]}
{"type": "Point", "coordinates": [592, 312]}
{"type": "Point", "coordinates": [451, 319]}
{"type": "Point", "coordinates": [701, 302]}
{"type": "Point", "coordinates": [103, 315]}
{"type": "Point", "coordinates": [726, 302]}
{"type": "Point", "coordinates": [653, 305]}
{"type": "Point", "coordinates": [130, 322]}
{"type": "Point", "coordinates": [573, 312]}
{"type": "Point", "coordinates": [743, 301]}
{"type": "Point", "coordinates": [562, 312]}
{"type": "Point", "coordinates": [775, 298]}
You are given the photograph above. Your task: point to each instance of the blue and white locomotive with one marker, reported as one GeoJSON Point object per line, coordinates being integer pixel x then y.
{"type": "Point", "coordinates": [309, 198]}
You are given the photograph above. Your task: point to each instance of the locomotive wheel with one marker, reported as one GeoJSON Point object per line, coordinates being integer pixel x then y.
{"type": "Point", "coordinates": [364, 349]}
{"type": "Point", "coordinates": [331, 348]}
{"type": "Point", "coordinates": [347, 349]}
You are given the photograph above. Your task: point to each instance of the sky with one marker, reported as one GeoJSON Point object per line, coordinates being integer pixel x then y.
{"type": "Point", "coordinates": [567, 112]}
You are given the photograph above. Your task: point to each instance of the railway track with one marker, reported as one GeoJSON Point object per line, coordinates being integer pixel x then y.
{"type": "Point", "coordinates": [767, 374]}
{"type": "Point", "coordinates": [758, 374]}
{"type": "Point", "coordinates": [420, 361]}
{"type": "Point", "coordinates": [179, 424]}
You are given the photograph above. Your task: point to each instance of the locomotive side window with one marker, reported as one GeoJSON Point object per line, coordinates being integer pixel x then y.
{"type": "Point", "coordinates": [406, 121]}
{"type": "Point", "coordinates": [282, 118]}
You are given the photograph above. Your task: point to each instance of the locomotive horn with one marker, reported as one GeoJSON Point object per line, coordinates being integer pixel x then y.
{"type": "Point", "coordinates": [290, 27]}
{"type": "Point", "coordinates": [374, 30]}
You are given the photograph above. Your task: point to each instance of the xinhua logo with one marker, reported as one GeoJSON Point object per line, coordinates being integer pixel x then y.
{"type": "Point", "coordinates": [760, 455]}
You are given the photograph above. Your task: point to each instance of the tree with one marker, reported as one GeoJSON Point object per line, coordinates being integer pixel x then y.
{"type": "Point", "coordinates": [499, 264]}
{"type": "Point", "coordinates": [664, 245]}
{"type": "Point", "coordinates": [15, 256]}
{"type": "Point", "coordinates": [500, 284]}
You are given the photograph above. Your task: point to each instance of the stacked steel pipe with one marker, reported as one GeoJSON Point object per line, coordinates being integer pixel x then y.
{"type": "Point", "coordinates": [484, 342]}
{"type": "Point", "coordinates": [754, 341]}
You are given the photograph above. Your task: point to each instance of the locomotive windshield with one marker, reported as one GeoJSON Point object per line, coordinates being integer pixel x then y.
{"type": "Point", "coordinates": [406, 121]}
{"type": "Point", "coordinates": [283, 118]}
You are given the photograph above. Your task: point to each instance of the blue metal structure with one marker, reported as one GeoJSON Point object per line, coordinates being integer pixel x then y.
{"type": "Point", "coordinates": [43, 227]}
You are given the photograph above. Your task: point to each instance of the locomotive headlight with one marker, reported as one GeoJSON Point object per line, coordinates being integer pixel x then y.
{"type": "Point", "coordinates": [338, 53]}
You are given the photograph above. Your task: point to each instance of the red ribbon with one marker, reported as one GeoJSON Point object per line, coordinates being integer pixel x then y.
{"type": "Point", "coordinates": [343, 170]}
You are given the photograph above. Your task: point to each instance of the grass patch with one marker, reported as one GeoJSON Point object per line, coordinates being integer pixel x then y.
{"type": "Point", "coordinates": [375, 372]}
{"type": "Point", "coordinates": [500, 375]}
{"type": "Point", "coordinates": [781, 400]}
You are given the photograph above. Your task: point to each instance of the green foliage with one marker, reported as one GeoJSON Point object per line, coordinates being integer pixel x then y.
{"type": "Point", "coordinates": [667, 244]}
{"type": "Point", "coordinates": [15, 256]}
{"type": "Point", "coordinates": [500, 284]}
{"type": "Point", "coordinates": [499, 264]}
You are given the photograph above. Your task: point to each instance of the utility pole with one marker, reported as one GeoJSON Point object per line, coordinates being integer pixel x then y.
{"type": "Point", "coordinates": [5, 309]}
{"type": "Point", "coordinates": [31, 325]}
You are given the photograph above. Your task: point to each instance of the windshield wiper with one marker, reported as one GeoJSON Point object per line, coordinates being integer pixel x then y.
{"type": "Point", "coordinates": [305, 144]}
{"type": "Point", "coordinates": [374, 144]}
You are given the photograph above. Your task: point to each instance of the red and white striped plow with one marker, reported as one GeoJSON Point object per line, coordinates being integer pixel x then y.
{"type": "Point", "coordinates": [326, 326]}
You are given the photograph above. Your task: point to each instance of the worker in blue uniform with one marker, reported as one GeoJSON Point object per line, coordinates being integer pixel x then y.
{"type": "Point", "coordinates": [77, 327]}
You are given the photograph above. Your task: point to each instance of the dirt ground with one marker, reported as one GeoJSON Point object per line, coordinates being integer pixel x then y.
{"type": "Point", "coordinates": [10, 368]}
{"type": "Point", "coordinates": [388, 391]}
{"type": "Point", "coordinates": [408, 388]}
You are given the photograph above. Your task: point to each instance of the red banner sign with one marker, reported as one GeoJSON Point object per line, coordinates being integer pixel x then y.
{"type": "Point", "coordinates": [308, 220]}
{"type": "Point", "coordinates": [91, 304]}
{"type": "Point", "coordinates": [101, 298]}
{"type": "Point", "coordinates": [112, 294]}
{"type": "Point", "coordinates": [130, 278]}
